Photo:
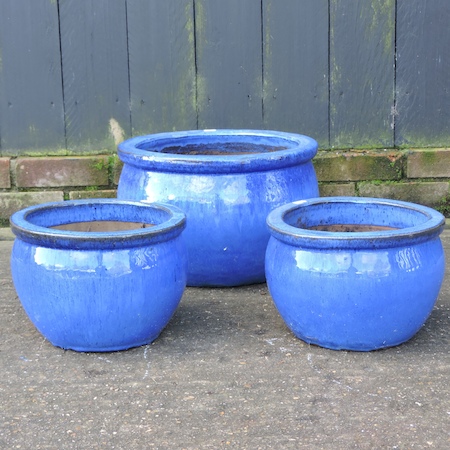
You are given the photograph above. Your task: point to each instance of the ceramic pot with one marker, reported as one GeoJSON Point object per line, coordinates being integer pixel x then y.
{"type": "Point", "coordinates": [226, 181]}
{"type": "Point", "coordinates": [99, 275]}
{"type": "Point", "coordinates": [354, 273]}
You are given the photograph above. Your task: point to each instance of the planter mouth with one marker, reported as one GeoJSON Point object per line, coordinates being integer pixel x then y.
{"type": "Point", "coordinates": [217, 151]}
{"type": "Point", "coordinates": [97, 224]}
{"type": "Point", "coordinates": [354, 222]}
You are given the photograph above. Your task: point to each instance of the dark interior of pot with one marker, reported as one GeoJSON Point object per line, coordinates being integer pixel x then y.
{"type": "Point", "coordinates": [350, 228]}
{"type": "Point", "coordinates": [226, 148]}
{"type": "Point", "coordinates": [101, 216]}
{"type": "Point", "coordinates": [353, 217]}
{"type": "Point", "coordinates": [102, 226]}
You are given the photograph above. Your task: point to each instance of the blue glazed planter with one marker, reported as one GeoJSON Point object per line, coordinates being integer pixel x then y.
{"type": "Point", "coordinates": [226, 181]}
{"type": "Point", "coordinates": [104, 290]}
{"type": "Point", "coordinates": [354, 273]}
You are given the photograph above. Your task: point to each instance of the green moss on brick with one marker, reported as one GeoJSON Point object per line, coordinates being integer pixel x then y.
{"type": "Point", "coordinates": [428, 193]}
{"type": "Point", "coordinates": [431, 163]}
{"type": "Point", "coordinates": [428, 157]}
{"type": "Point", "coordinates": [444, 206]}
{"type": "Point", "coordinates": [359, 165]}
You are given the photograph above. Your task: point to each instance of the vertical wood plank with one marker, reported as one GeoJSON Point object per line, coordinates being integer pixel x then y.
{"type": "Point", "coordinates": [362, 73]}
{"type": "Point", "coordinates": [31, 101]}
{"type": "Point", "coordinates": [162, 65]}
{"type": "Point", "coordinates": [423, 73]}
{"type": "Point", "coordinates": [95, 73]}
{"type": "Point", "coordinates": [296, 67]}
{"type": "Point", "coordinates": [229, 63]}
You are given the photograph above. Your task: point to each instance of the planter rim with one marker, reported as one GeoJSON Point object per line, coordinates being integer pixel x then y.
{"type": "Point", "coordinates": [430, 227]}
{"type": "Point", "coordinates": [301, 149]}
{"type": "Point", "coordinates": [171, 220]}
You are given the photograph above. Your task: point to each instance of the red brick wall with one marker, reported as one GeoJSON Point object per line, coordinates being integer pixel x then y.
{"type": "Point", "coordinates": [25, 181]}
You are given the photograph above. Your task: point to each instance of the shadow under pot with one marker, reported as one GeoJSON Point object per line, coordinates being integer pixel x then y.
{"type": "Point", "coordinates": [354, 273]}
{"type": "Point", "coordinates": [99, 275]}
{"type": "Point", "coordinates": [226, 181]}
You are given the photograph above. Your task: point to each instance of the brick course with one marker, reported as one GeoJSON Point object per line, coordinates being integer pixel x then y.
{"type": "Point", "coordinates": [10, 202]}
{"type": "Point", "coordinates": [429, 193]}
{"type": "Point", "coordinates": [359, 165]}
{"type": "Point", "coordinates": [116, 170]}
{"type": "Point", "coordinates": [419, 175]}
{"type": "Point", "coordinates": [61, 171]}
{"type": "Point", "coordinates": [104, 193]}
{"type": "Point", "coordinates": [337, 189]}
{"type": "Point", "coordinates": [5, 179]}
{"type": "Point", "coordinates": [429, 163]}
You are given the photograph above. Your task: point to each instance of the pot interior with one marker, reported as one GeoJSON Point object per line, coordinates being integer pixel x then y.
{"type": "Point", "coordinates": [102, 226]}
{"type": "Point", "coordinates": [351, 228]}
{"type": "Point", "coordinates": [98, 216]}
{"type": "Point", "coordinates": [100, 223]}
{"type": "Point", "coordinates": [228, 148]}
{"type": "Point", "coordinates": [347, 216]}
{"type": "Point", "coordinates": [217, 145]}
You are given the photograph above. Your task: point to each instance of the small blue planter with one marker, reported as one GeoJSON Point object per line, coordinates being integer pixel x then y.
{"type": "Point", "coordinates": [226, 181]}
{"type": "Point", "coordinates": [99, 290]}
{"type": "Point", "coordinates": [354, 273]}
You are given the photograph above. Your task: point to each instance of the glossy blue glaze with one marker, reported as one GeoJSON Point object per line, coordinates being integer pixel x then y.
{"type": "Point", "coordinates": [103, 290]}
{"type": "Point", "coordinates": [360, 290]}
{"type": "Point", "coordinates": [226, 181]}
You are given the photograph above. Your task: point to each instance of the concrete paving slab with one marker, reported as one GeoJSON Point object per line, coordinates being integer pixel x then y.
{"type": "Point", "coordinates": [225, 373]}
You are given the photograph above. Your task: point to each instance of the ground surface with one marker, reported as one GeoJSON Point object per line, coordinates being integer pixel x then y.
{"type": "Point", "coordinates": [225, 373]}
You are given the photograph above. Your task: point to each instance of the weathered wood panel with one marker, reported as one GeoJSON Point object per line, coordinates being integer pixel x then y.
{"type": "Point", "coordinates": [95, 73]}
{"type": "Point", "coordinates": [296, 67]}
{"type": "Point", "coordinates": [362, 48]}
{"type": "Point", "coordinates": [326, 68]}
{"type": "Point", "coordinates": [31, 102]}
{"type": "Point", "coordinates": [162, 65]}
{"type": "Point", "coordinates": [229, 63]}
{"type": "Point", "coordinates": [423, 73]}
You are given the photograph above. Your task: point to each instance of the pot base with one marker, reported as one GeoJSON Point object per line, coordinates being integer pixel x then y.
{"type": "Point", "coordinates": [107, 349]}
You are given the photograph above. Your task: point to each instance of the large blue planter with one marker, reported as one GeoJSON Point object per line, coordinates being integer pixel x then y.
{"type": "Point", "coordinates": [226, 181]}
{"type": "Point", "coordinates": [354, 273]}
{"type": "Point", "coordinates": [103, 290]}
